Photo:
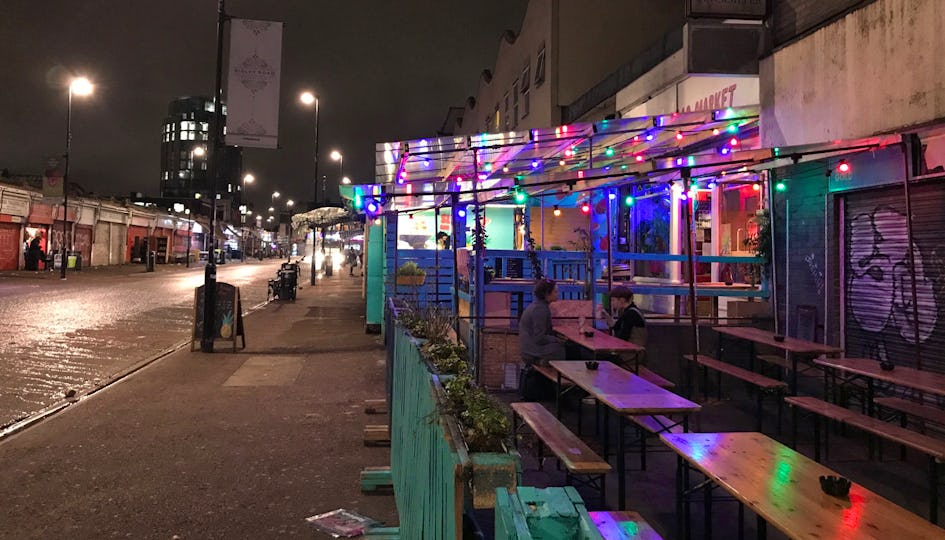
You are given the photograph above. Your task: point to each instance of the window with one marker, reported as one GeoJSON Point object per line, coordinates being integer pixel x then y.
{"type": "Point", "coordinates": [526, 102]}
{"type": "Point", "coordinates": [540, 67]}
{"type": "Point", "coordinates": [515, 104]}
{"type": "Point", "coordinates": [506, 114]}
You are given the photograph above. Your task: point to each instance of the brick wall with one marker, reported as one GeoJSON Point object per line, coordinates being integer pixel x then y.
{"type": "Point", "coordinates": [499, 353]}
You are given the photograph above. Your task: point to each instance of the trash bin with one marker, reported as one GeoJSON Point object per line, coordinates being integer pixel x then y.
{"type": "Point", "coordinates": [328, 266]}
{"type": "Point", "coordinates": [150, 261]}
{"type": "Point", "coordinates": [78, 261]}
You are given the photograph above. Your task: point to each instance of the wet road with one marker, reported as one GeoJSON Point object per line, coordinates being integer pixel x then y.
{"type": "Point", "coordinates": [77, 334]}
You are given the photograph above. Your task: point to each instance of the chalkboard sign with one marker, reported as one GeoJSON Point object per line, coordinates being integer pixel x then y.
{"type": "Point", "coordinates": [228, 315]}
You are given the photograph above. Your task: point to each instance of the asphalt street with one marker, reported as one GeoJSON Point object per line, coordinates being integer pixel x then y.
{"type": "Point", "coordinates": [76, 334]}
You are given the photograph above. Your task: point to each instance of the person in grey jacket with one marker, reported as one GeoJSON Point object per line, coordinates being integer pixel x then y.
{"type": "Point", "coordinates": [536, 339]}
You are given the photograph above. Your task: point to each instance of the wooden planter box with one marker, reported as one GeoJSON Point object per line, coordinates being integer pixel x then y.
{"type": "Point", "coordinates": [415, 281]}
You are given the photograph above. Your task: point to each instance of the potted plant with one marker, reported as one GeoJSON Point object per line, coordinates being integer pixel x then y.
{"type": "Point", "coordinates": [410, 273]}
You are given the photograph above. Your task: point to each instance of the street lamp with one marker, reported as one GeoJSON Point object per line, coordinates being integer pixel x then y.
{"type": "Point", "coordinates": [340, 158]}
{"type": "Point", "coordinates": [290, 203]}
{"type": "Point", "coordinates": [345, 180]}
{"type": "Point", "coordinates": [79, 86]}
{"type": "Point", "coordinates": [308, 99]}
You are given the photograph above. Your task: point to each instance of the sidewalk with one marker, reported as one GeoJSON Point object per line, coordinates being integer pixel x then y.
{"type": "Point", "coordinates": [243, 445]}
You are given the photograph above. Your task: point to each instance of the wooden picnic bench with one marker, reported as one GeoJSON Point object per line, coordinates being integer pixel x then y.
{"type": "Point", "coordinates": [931, 447]}
{"type": "Point", "coordinates": [624, 525]}
{"type": "Point", "coordinates": [762, 383]}
{"type": "Point", "coordinates": [578, 458]}
{"type": "Point", "coordinates": [907, 407]}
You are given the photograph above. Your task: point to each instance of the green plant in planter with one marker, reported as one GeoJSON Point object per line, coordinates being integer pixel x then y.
{"type": "Point", "coordinates": [760, 245]}
{"type": "Point", "coordinates": [485, 424]}
{"type": "Point", "coordinates": [447, 357]}
{"type": "Point", "coordinates": [410, 268]}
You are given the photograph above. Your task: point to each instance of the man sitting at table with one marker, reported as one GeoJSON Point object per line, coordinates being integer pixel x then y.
{"type": "Point", "coordinates": [630, 324]}
{"type": "Point", "coordinates": [536, 339]}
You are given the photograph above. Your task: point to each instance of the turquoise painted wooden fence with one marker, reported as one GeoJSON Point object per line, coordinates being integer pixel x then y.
{"type": "Point", "coordinates": [434, 478]}
{"type": "Point", "coordinates": [555, 513]}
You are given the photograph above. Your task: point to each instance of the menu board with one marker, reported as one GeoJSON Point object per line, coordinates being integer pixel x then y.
{"type": "Point", "coordinates": [227, 315]}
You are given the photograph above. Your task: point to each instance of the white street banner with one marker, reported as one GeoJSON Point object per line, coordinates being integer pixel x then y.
{"type": "Point", "coordinates": [252, 112]}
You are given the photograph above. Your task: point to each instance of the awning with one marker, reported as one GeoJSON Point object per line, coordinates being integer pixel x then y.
{"type": "Point", "coordinates": [721, 146]}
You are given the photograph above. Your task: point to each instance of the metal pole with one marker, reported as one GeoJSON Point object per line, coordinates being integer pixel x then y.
{"type": "Point", "coordinates": [610, 247]}
{"type": "Point", "coordinates": [316, 175]}
{"type": "Point", "coordinates": [65, 188]}
{"type": "Point", "coordinates": [436, 254]}
{"type": "Point", "coordinates": [772, 265]}
{"type": "Point", "coordinates": [693, 314]}
{"type": "Point", "coordinates": [454, 204]}
{"type": "Point", "coordinates": [912, 147]}
{"type": "Point", "coordinates": [210, 271]}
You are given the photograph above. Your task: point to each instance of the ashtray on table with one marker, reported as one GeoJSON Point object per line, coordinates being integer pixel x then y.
{"type": "Point", "coordinates": [779, 337]}
{"type": "Point", "coordinates": [836, 486]}
{"type": "Point", "coordinates": [591, 364]}
{"type": "Point", "coordinates": [588, 333]}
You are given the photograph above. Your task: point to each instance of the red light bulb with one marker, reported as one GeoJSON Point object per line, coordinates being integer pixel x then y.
{"type": "Point", "coordinates": [733, 142]}
{"type": "Point", "coordinates": [586, 208]}
{"type": "Point", "coordinates": [844, 167]}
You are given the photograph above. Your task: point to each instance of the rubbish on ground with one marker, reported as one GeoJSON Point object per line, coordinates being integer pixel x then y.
{"type": "Point", "coordinates": [342, 523]}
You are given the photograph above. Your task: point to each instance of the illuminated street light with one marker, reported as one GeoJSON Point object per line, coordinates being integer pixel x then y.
{"type": "Point", "coordinates": [272, 209]}
{"type": "Point", "coordinates": [80, 86]}
{"type": "Point", "coordinates": [199, 151]}
{"type": "Point", "coordinates": [249, 178]}
{"type": "Point", "coordinates": [346, 180]}
{"type": "Point", "coordinates": [308, 99]}
{"type": "Point", "coordinates": [290, 203]}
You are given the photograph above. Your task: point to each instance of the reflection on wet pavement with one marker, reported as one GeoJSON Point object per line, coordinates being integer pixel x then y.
{"type": "Point", "coordinates": [77, 334]}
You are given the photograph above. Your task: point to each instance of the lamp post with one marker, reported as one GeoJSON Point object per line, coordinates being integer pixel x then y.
{"type": "Point", "coordinates": [248, 178]}
{"type": "Point", "coordinates": [340, 158]}
{"type": "Point", "coordinates": [79, 86]}
{"type": "Point", "coordinates": [308, 99]}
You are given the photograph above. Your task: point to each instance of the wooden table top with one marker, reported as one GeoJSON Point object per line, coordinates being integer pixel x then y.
{"type": "Point", "coordinates": [623, 391]}
{"type": "Point", "coordinates": [783, 487]}
{"type": "Point", "coordinates": [926, 381]}
{"type": "Point", "coordinates": [766, 337]}
{"type": "Point", "coordinates": [599, 342]}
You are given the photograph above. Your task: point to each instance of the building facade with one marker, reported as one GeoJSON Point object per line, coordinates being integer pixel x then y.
{"type": "Point", "coordinates": [185, 135]}
{"type": "Point", "coordinates": [562, 49]}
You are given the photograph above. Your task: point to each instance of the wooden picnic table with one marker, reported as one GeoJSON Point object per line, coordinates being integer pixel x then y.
{"type": "Point", "coordinates": [793, 346]}
{"type": "Point", "coordinates": [626, 394]}
{"type": "Point", "coordinates": [926, 381]}
{"type": "Point", "coordinates": [599, 342]}
{"type": "Point", "coordinates": [782, 487]}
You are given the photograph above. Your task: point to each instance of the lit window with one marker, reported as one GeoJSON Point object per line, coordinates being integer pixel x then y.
{"type": "Point", "coordinates": [182, 174]}
{"type": "Point", "coordinates": [204, 126]}
{"type": "Point", "coordinates": [540, 66]}
{"type": "Point", "coordinates": [183, 126]}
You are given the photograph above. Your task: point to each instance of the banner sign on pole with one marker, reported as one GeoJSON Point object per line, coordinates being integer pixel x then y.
{"type": "Point", "coordinates": [252, 112]}
{"type": "Point", "coordinates": [52, 177]}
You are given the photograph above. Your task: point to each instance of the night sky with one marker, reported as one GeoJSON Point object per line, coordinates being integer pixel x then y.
{"type": "Point", "coordinates": [383, 71]}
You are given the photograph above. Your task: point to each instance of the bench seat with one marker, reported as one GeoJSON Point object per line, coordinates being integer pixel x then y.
{"type": "Point", "coordinates": [623, 526]}
{"type": "Point", "coordinates": [654, 378]}
{"type": "Point", "coordinates": [925, 412]}
{"type": "Point", "coordinates": [574, 454]}
{"type": "Point", "coordinates": [765, 384]}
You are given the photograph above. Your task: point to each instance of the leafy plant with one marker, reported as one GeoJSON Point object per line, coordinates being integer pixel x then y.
{"type": "Point", "coordinates": [438, 321]}
{"type": "Point", "coordinates": [760, 243]}
{"type": "Point", "coordinates": [531, 252]}
{"type": "Point", "coordinates": [410, 268]}
{"type": "Point", "coordinates": [447, 357]}
{"type": "Point", "coordinates": [485, 424]}
{"type": "Point", "coordinates": [585, 245]}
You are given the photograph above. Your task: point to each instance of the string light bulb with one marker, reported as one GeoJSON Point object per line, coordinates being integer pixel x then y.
{"type": "Point", "coordinates": [557, 211]}
{"type": "Point", "coordinates": [586, 208]}
{"type": "Point", "coordinates": [844, 167]}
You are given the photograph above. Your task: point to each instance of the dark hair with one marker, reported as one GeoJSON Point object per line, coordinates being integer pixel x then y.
{"type": "Point", "coordinates": [543, 288]}
{"type": "Point", "coordinates": [621, 292]}
{"type": "Point", "coordinates": [441, 235]}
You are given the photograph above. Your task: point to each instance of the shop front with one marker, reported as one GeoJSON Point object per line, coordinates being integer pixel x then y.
{"type": "Point", "coordinates": [14, 208]}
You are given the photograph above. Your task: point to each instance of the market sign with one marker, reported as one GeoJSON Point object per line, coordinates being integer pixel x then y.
{"type": "Point", "coordinates": [14, 205]}
{"type": "Point", "coordinates": [728, 9]}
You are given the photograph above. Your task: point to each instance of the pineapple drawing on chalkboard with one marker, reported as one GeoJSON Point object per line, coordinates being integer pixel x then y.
{"type": "Point", "coordinates": [226, 327]}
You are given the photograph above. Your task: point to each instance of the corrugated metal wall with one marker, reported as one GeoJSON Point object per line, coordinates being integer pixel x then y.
{"type": "Point", "coordinates": [879, 317]}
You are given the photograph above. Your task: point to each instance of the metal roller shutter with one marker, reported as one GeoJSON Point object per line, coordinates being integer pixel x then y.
{"type": "Point", "coordinates": [879, 319]}
{"type": "Point", "coordinates": [10, 246]}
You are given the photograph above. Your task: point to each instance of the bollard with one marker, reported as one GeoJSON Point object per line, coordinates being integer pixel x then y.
{"type": "Point", "coordinates": [150, 261]}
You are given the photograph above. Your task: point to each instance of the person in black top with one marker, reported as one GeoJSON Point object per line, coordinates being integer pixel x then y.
{"type": "Point", "coordinates": [630, 324]}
